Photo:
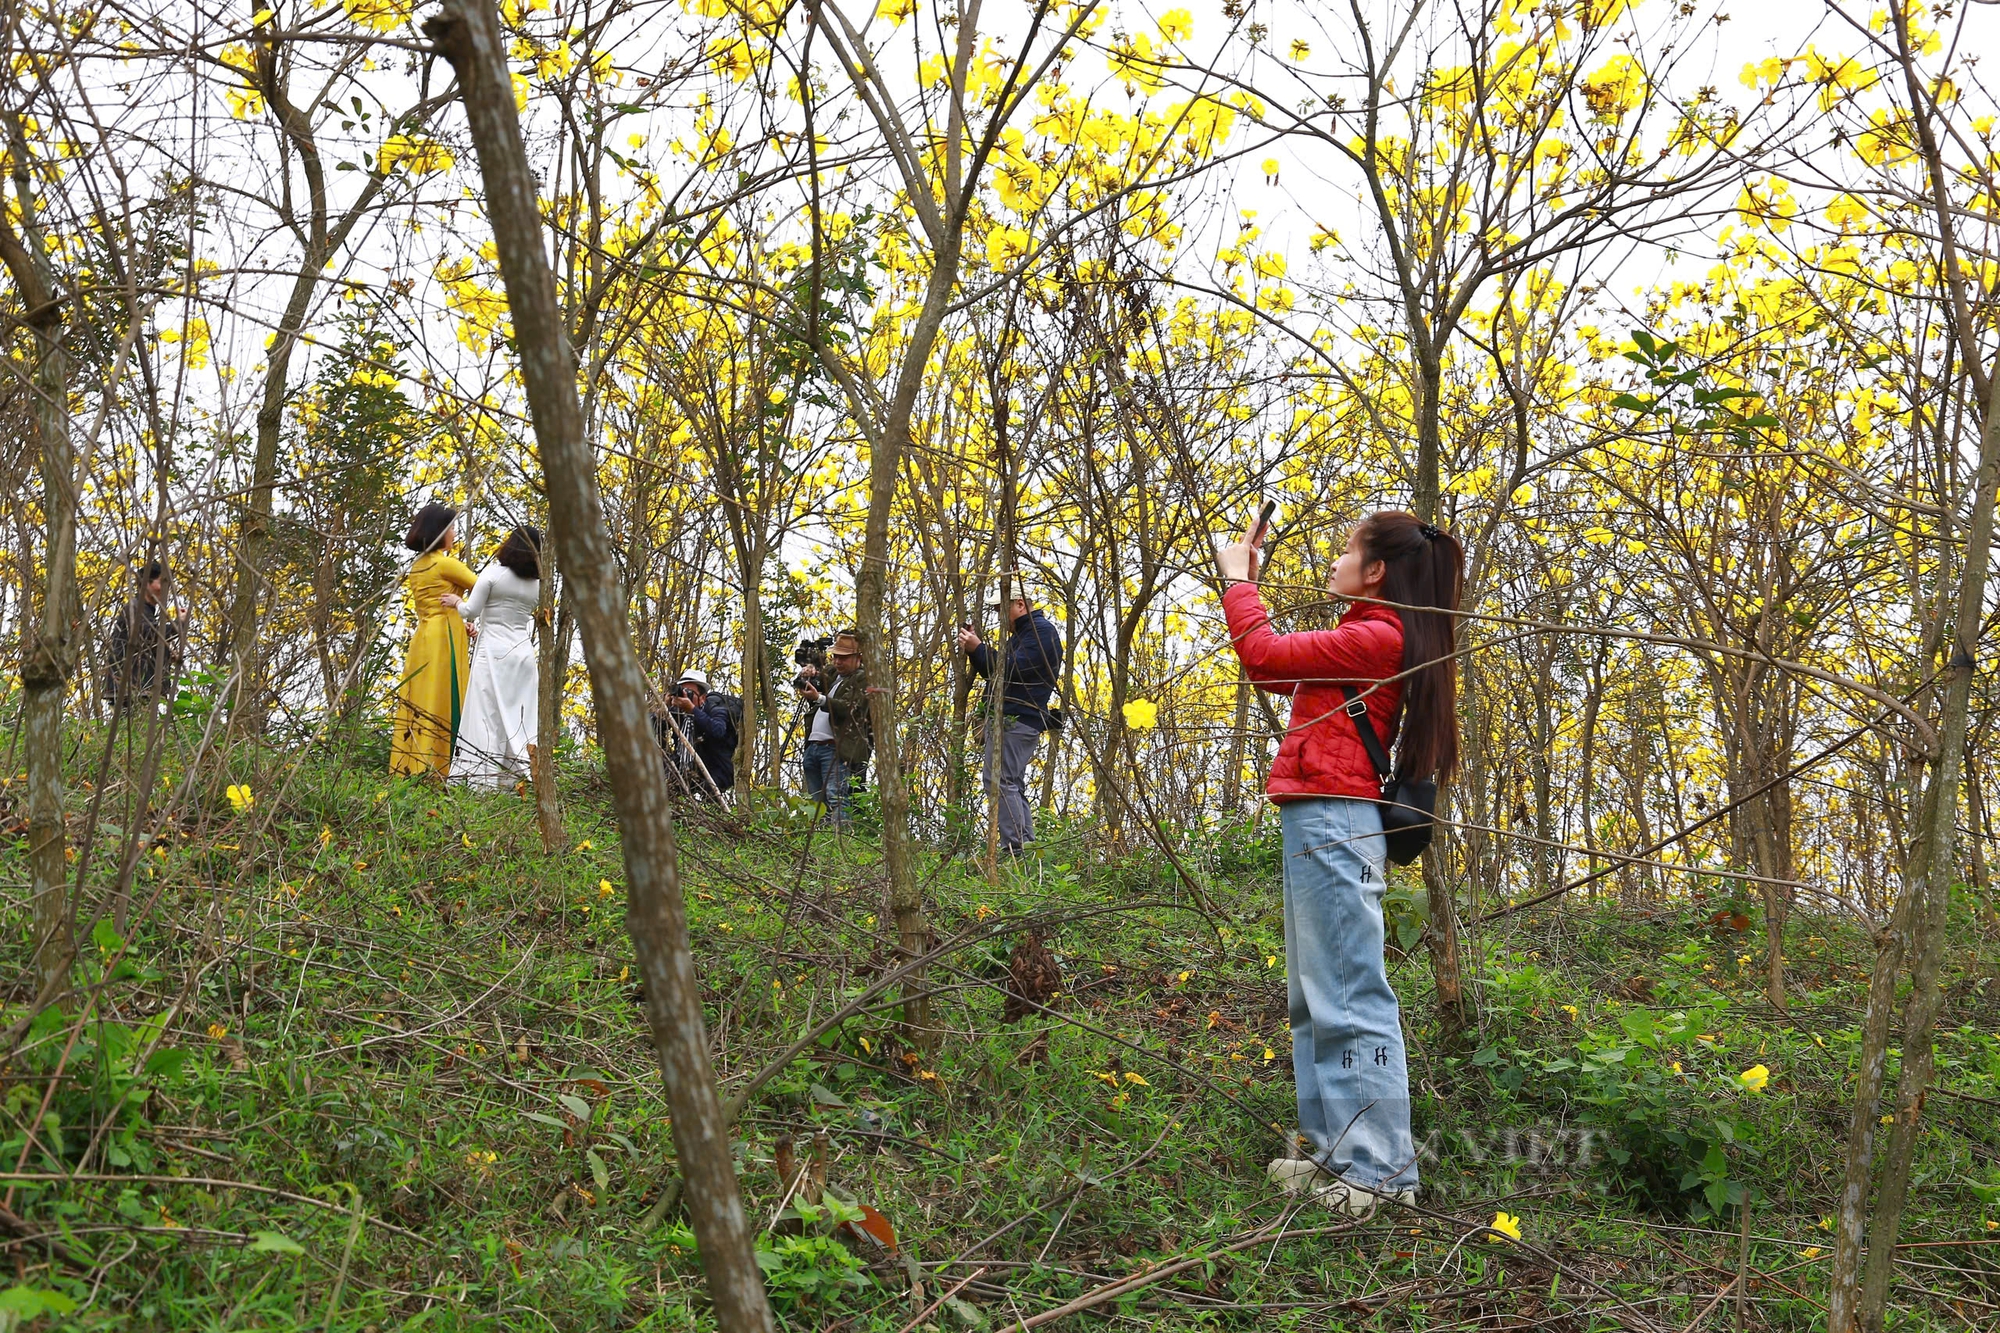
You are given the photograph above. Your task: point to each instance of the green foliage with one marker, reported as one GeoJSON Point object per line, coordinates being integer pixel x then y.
{"type": "Point", "coordinates": [339, 535]}
{"type": "Point", "coordinates": [360, 923]}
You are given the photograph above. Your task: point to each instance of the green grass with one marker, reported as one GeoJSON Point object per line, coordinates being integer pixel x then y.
{"type": "Point", "coordinates": [417, 1035]}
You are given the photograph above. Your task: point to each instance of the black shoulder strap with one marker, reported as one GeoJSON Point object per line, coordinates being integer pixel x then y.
{"type": "Point", "coordinates": [1357, 713]}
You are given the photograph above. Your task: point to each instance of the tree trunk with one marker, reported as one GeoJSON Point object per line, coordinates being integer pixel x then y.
{"type": "Point", "coordinates": [1441, 939]}
{"type": "Point", "coordinates": [754, 673]}
{"type": "Point", "coordinates": [1429, 486]}
{"type": "Point", "coordinates": [1917, 934]}
{"type": "Point", "coordinates": [254, 538]}
{"type": "Point", "coordinates": [906, 894]}
{"type": "Point", "coordinates": [1232, 766]}
{"type": "Point", "coordinates": [552, 663]}
{"type": "Point", "coordinates": [468, 34]}
{"type": "Point", "coordinates": [48, 654]}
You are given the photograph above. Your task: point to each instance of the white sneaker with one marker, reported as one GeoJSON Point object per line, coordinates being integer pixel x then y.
{"type": "Point", "coordinates": [1295, 1175]}
{"type": "Point", "coordinates": [1343, 1196]}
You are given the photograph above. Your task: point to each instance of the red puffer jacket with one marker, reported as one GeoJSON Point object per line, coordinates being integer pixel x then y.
{"type": "Point", "coordinates": [1322, 754]}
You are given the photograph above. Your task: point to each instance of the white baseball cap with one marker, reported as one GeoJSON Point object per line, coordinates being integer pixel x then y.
{"type": "Point", "coordinates": [694, 678]}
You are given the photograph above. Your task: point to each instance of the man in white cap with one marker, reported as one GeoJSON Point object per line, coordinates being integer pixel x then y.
{"type": "Point", "coordinates": [705, 731]}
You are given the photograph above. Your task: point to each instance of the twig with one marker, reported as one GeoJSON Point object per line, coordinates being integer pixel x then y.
{"type": "Point", "coordinates": [211, 1182]}
{"type": "Point", "coordinates": [937, 1304]}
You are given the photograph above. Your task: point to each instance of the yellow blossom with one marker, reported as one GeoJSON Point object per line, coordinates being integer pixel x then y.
{"type": "Point", "coordinates": [1506, 1224]}
{"type": "Point", "coordinates": [1754, 1078]}
{"type": "Point", "coordinates": [239, 796]}
{"type": "Point", "coordinates": [1141, 714]}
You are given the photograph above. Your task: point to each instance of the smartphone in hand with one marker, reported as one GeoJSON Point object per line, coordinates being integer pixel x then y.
{"type": "Point", "coordinates": [1262, 527]}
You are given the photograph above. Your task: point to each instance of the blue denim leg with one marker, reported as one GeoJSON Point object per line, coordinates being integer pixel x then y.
{"type": "Point", "coordinates": [814, 764]}
{"type": "Point", "coordinates": [839, 792]}
{"type": "Point", "coordinates": [1347, 1031]}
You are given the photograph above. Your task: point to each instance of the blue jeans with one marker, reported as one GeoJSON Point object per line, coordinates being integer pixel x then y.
{"type": "Point", "coordinates": [828, 781]}
{"type": "Point", "coordinates": [1347, 1031]}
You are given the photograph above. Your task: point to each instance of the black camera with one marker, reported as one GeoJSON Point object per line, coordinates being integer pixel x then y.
{"type": "Point", "coordinates": [810, 658]}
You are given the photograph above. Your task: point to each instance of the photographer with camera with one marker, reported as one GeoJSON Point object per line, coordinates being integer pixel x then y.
{"type": "Point", "coordinates": [840, 739]}
{"type": "Point", "coordinates": [699, 736]}
{"type": "Point", "coordinates": [1020, 680]}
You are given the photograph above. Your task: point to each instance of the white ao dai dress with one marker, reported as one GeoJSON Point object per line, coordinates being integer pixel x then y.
{"type": "Point", "coordinates": [497, 724]}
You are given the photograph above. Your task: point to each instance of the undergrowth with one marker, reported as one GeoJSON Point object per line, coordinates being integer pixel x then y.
{"type": "Point", "coordinates": [363, 1056]}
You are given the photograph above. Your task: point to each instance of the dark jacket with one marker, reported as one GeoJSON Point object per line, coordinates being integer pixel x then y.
{"type": "Point", "coordinates": [144, 653]}
{"type": "Point", "coordinates": [845, 703]}
{"type": "Point", "coordinates": [1032, 668]}
{"type": "Point", "coordinates": [710, 734]}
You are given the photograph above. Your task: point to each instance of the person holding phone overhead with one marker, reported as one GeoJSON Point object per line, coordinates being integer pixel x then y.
{"type": "Point", "coordinates": [432, 688]}
{"type": "Point", "coordinates": [1393, 648]}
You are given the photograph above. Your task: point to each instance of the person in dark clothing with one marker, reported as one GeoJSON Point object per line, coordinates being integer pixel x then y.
{"type": "Point", "coordinates": [839, 739]}
{"type": "Point", "coordinates": [1024, 676]}
{"type": "Point", "coordinates": [145, 648]}
{"type": "Point", "coordinates": [699, 736]}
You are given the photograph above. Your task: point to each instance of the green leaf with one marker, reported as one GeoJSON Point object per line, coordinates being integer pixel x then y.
{"type": "Point", "coordinates": [825, 1096]}
{"type": "Point", "coordinates": [33, 1302]}
{"type": "Point", "coordinates": [105, 935]}
{"type": "Point", "coordinates": [1643, 341]}
{"type": "Point", "coordinates": [598, 1171]}
{"type": "Point", "coordinates": [548, 1120]}
{"type": "Point", "coordinates": [575, 1105]}
{"type": "Point", "coordinates": [272, 1242]}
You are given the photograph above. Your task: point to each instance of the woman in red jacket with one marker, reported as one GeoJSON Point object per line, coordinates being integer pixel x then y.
{"type": "Point", "coordinates": [1347, 1036]}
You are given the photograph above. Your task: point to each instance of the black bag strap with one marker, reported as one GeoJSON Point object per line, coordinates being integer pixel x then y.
{"type": "Point", "coordinates": [1357, 713]}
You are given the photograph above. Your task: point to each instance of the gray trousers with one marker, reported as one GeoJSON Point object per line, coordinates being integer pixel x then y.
{"type": "Point", "coordinates": [1009, 747]}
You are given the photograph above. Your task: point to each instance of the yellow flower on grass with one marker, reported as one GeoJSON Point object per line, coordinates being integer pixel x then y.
{"type": "Point", "coordinates": [1506, 1224]}
{"type": "Point", "coordinates": [1131, 1077]}
{"type": "Point", "coordinates": [240, 796]}
{"type": "Point", "coordinates": [583, 846]}
{"type": "Point", "coordinates": [1141, 714]}
{"type": "Point", "coordinates": [217, 1032]}
{"type": "Point", "coordinates": [1754, 1078]}
{"type": "Point", "coordinates": [604, 889]}
{"type": "Point", "coordinates": [1811, 1252]}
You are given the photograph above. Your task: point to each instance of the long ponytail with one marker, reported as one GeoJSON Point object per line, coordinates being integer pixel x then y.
{"type": "Point", "coordinates": [1425, 568]}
